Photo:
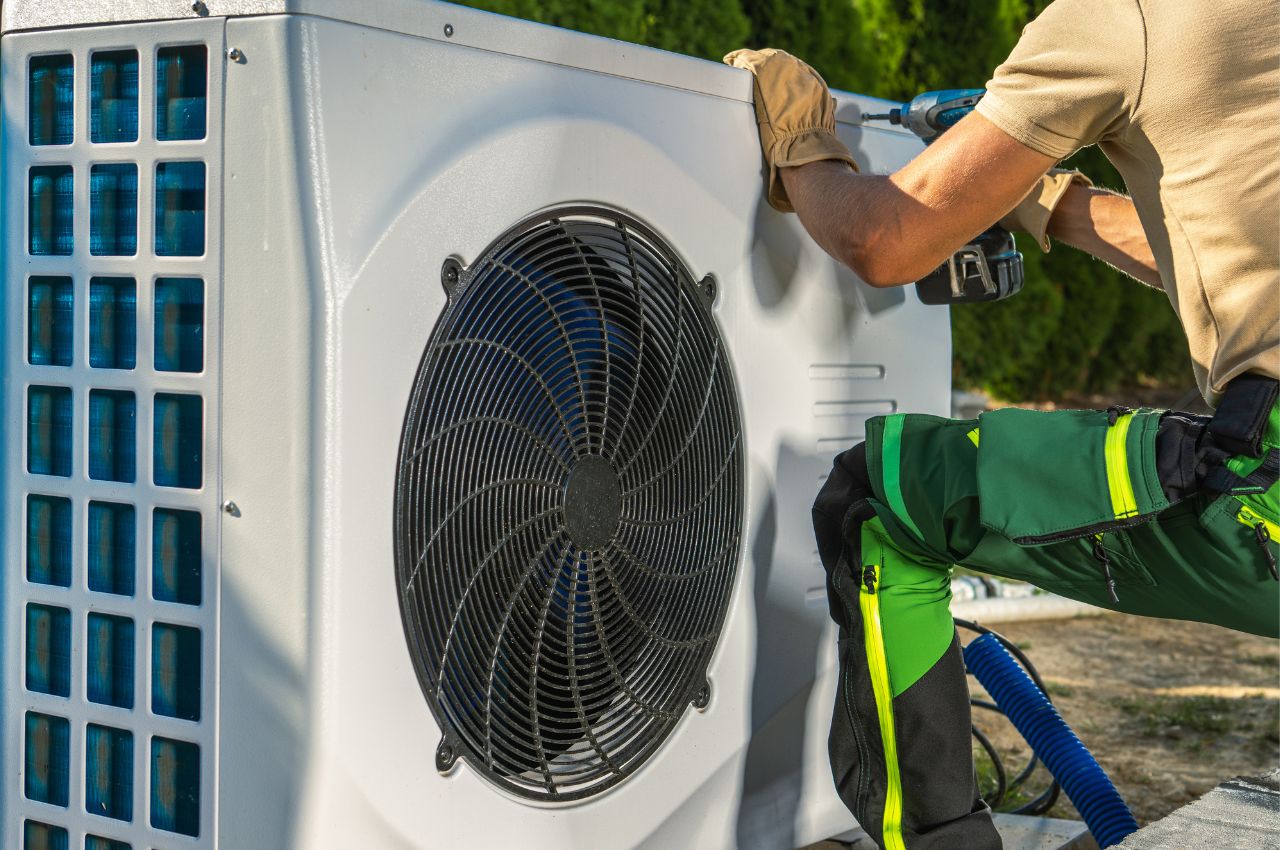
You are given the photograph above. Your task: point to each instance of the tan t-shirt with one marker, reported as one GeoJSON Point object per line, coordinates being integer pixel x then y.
{"type": "Point", "coordinates": [1184, 97]}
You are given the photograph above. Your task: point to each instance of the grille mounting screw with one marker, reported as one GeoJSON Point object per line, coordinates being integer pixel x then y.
{"type": "Point", "coordinates": [707, 286]}
{"type": "Point", "coordinates": [446, 757]}
{"type": "Point", "coordinates": [200, 8]}
{"type": "Point", "coordinates": [231, 508]}
{"type": "Point", "coordinates": [235, 54]}
{"type": "Point", "coordinates": [703, 697]}
{"type": "Point", "coordinates": [451, 274]}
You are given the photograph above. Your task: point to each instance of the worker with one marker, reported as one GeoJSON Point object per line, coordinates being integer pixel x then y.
{"type": "Point", "coordinates": [1142, 511]}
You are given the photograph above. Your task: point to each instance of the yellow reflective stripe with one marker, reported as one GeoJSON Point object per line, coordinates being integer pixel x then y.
{"type": "Point", "coordinates": [1123, 502]}
{"type": "Point", "coordinates": [973, 436]}
{"type": "Point", "coordinates": [1252, 518]}
{"type": "Point", "coordinates": [878, 667]}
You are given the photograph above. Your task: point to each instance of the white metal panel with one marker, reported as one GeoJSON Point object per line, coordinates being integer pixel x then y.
{"type": "Point", "coordinates": [357, 159]}
{"type": "Point", "coordinates": [145, 382]}
{"type": "Point", "coordinates": [411, 150]}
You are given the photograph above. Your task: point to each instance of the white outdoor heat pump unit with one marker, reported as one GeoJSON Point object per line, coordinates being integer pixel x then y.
{"type": "Point", "coordinates": [411, 421]}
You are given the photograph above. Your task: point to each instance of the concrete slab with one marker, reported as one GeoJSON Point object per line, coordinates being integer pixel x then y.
{"type": "Point", "coordinates": [1240, 814]}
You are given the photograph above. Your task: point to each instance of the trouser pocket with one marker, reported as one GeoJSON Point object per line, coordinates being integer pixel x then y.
{"type": "Point", "coordinates": [1049, 476]}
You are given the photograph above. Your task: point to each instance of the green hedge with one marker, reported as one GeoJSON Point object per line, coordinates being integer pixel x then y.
{"type": "Point", "coordinates": [1079, 326]}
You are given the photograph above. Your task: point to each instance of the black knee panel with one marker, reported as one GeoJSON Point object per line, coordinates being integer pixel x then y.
{"type": "Point", "coordinates": [842, 501]}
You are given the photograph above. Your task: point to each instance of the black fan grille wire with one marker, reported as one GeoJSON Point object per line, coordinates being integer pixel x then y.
{"type": "Point", "coordinates": [568, 504]}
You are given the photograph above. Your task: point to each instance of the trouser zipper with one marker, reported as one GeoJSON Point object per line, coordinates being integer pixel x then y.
{"type": "Point", "coordinates": [878, 668]}
{"type": "Point", "coordinates": [1100, 553]}
{"type": "Point", "coordinates": [851, 706]}
{"type": "Point", "coordinates": [1262, 536]}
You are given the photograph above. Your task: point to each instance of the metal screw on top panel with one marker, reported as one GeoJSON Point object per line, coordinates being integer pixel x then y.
{"type": "Point", "coordinates": [200, 8]}
{"type": "Point", "coordinates": [448, 30]}
{"type": "Point", "coordinates": [236, 55]}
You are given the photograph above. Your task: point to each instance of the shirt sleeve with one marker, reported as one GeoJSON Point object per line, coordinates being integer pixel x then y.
{"type": "Point", "coordinates": [1073, 79]}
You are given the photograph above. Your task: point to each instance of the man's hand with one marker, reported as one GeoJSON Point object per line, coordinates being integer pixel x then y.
{"type": "Point", "coordinates": [795, 113]}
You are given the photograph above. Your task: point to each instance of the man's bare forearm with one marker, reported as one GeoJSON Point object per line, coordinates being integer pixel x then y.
{"type": "Point", "coordinates": [847, 214]}
{"type": "Point", "coordinates": [896, 229]}
{"type": "Point", "coordinates": [1106, 225]}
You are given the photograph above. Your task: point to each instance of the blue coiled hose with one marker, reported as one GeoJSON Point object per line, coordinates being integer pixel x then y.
{"type": "Point", "coordinates": [1031, 713]}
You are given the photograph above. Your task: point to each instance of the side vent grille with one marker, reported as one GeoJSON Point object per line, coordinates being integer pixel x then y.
{"type": "Point", "coordinates": [109, 591]}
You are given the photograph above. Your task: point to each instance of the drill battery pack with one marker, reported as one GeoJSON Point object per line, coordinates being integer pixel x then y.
{"type": "Point", "coordinates": [989, 268]}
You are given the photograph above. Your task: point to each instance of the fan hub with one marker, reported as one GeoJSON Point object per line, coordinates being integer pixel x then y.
{"type": "Point", "coordinates": [592, 502]}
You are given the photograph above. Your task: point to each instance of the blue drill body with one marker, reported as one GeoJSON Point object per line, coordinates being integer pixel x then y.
{"type": "Point", "coordinates": [931, 114]}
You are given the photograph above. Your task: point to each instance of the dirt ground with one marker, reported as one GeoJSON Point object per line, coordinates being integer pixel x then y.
{"type": "Point", "coordinates": [1169, 709]}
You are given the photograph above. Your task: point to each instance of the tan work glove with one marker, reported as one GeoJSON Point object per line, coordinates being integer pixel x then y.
{"type": "Point", "coordinates": [1033, 213]}
{"type": "Point", "coordinates": [796, 115]}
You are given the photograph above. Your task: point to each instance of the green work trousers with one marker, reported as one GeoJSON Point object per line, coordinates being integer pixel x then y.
{"type": "Point", "coordinates": [1070, 501]}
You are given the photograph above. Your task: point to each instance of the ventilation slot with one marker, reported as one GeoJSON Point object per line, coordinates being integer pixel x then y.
{"type": "Point", "coordinates": [175, 556]}
{"type": "Point", "coordinates": [48, 759]}
{"type": "Point", "coordinates": [180, 205]}
{"type": "Point", "coordinates": [108, 772]}
{"type": "Point", "coordinates": [175, 786]}
{"type": "Point", "coordinates": [113, 335]}
{"type": "Point", "coordinates": [52, 100]}
{"type": "Point", "coordinates": [50, 321]}
{"type": "Point", "coordinates": [112, 548]}
{"type": "Point", "coordinates": [49, 650]}
{"type": "Point", "coordinates": [113, 210]}
{"type": "Point", "coordinates": [182, 83]}
{"type": "Point", "coordinates": [175, 671]}
{"type": "Point", "coordinates": [113, 84]}
{"type": "Point", "coordinates": [42, 836]}
{"type": "Point", "coordinates": [179, 325]}
{"type": "Point", "coordinates": [110, 679]}
{"type": "Point", "coordinates": [49, 431]}
{"type": "Point", "coordinates": [49, 540]}
{"type": "Point", "coordinates": [52, 210]}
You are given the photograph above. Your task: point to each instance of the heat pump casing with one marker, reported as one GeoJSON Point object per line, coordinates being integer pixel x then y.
{"type": "Point", "coordinates": [352, 149]}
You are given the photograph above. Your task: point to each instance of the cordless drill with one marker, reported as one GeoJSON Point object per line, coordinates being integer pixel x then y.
{"type": "Point", "coordinates": [989, 268]}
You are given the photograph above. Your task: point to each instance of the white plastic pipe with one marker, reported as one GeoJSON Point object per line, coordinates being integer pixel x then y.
{"type": "Point", "coordinates": [1019, 609]}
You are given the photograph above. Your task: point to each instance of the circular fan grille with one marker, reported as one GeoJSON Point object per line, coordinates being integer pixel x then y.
{"type": "Point", "coordinates": [568, 505]}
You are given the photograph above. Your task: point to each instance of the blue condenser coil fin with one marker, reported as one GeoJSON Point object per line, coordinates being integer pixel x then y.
{"type": "Point", "coordinates": [112, 548]}
{"type": "Point", "coordinates": [51, 99]}
{"type": "Point", "coordinates": [113, 333]}
{"type": "Point", "coordinates": [113, 210]}
{"type": "Point", "coordinates": [50, 321]}
{"type": "Point", "coordinates": [49, 540]}
{"type": "Point", "coordinates": [110, 660]}
{"type": "Point", "coordinates": [47, 759]}
{"type": "Point", "coordinates": [108, 772]}
{"type": "Point", "coordinates": [51, 211]}
{"type": "Point", "coordinates": [182, 89]}
{"type": "Point", "coordinates": [113, 96]}
{"type": "Point", "coordinates": [175, 786]}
